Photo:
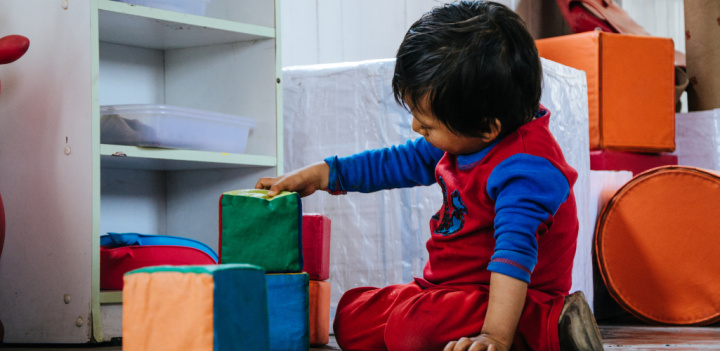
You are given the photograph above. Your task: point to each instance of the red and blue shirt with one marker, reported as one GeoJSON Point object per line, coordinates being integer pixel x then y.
{"type": "Point", "coordinates": [508, 208]}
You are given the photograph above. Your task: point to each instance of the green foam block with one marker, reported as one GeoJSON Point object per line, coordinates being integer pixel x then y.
{"type": "Point", "coordinates": [260, 230]}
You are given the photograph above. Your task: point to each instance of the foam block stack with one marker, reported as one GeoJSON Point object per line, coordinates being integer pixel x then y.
{"type": "Point", "coordinates": [268, 232]}
{"type": "Point", "coordinates": [631, 101]}
{"type": "Point", "coordinates": [201, 308]}
{"type": "Point", "coordinates": [316, 255]}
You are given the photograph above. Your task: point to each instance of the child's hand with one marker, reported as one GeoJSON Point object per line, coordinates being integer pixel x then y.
{"type": "Point", "coordinates": [304, 181]}
{"type": "Point", "coordinates": [482, 342]}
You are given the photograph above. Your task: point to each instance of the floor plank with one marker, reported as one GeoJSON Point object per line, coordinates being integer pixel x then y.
{"type": "Point", "coordinates": [332, 345]}
{"type": "Point", "coordinates": [625, 337]}
{"type": "Point", "coordinates": [643, 338]}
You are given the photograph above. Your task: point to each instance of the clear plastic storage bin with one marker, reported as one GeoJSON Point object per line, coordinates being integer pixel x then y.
{"type": "Point", "coordinates": [174, 127]}
{"type": "Point", "coordinates": [192, 7]}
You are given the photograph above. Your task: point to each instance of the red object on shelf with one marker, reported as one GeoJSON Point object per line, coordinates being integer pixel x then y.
{"type": "Point", "coordinates": [606, 160]}
{"type": "Point", "coordinates": [12, 47]}
{"type": "Point", "coordinates": [580, 19]}
{"type": "Point", "coordinates": [116, 261]}
{"type": "Point", "coordinates": [316, 245]}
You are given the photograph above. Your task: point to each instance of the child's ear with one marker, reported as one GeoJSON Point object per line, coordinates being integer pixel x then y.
{"type": "Point", "coordinates": [494, 131]}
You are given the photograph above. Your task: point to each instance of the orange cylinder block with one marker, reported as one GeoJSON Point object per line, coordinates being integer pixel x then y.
{"type": "Point", "coordinates": [657, 246]}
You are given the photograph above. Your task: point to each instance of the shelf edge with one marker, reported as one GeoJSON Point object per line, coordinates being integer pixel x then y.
{"type": "Point", "coordinates": [177, 17]}
{"type": "Point", "coordinates": [187, 155]}
{"type": "Point", "coordinates": [108, 297]}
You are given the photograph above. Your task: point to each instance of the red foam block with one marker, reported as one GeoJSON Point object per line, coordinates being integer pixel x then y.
{"type": "Point", "coordinates": [316, 245]}
{"type": "Point", "coordinates": [605, 160]}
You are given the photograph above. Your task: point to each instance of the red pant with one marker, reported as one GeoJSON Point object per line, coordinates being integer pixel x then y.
{"type": "Point", "coordinates": [406, 317]}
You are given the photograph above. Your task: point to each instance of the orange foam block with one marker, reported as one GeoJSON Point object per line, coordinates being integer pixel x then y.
{"type": "Point", "coordinates": [630, 84]}
{"type": "Point", "coordinates": [316, 245]}
{"type": "Point", "coordinates": [319, 312]}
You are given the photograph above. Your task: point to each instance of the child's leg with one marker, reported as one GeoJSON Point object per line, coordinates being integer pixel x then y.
{"type": "Point", "coordinates": [433, 317]}
{"type": "Point", "coordinates": [363, 312]}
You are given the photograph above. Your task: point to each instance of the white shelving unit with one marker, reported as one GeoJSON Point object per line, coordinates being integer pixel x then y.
{"type": "Point", "coordinates": [62, 188]}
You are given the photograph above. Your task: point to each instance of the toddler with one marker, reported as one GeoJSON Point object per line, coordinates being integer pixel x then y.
{"type": "Point", "coordinates": [502, 244]}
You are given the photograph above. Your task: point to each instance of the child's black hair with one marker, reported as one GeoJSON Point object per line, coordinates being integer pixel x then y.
{"type": "Point", "coordinates": [475, 61]}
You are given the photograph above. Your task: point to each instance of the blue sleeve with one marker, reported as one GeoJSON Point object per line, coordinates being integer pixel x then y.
{"type": "Point", "coordinates": [527, 190]}
{"type": "Point", "coordinates": [405, 165]}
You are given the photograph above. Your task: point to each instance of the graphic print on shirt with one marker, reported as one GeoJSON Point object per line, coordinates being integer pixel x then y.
{"type": "Point", "coordinates": [452, 221]}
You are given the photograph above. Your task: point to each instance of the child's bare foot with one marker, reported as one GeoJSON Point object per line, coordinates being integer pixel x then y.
{"type": "Point", "coordinates": [577, 328]}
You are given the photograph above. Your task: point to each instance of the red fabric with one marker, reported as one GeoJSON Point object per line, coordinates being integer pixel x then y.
{"type": "Point", "coordinates": [404, 317]}
{"type": "Point", "coordinates": [114, 262]}
{"type": "Point", "coordinates": [316, 245]}
{"type": "Point", "coordinates": [581, 20]}
{"type": "Point", "coordinates": [605, 160]}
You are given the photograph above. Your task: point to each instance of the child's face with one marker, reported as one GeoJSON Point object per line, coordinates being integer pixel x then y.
{"type": "Point", "coordinates": [439, 136]}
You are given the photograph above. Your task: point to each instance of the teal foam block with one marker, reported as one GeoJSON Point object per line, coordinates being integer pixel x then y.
{"type": "Point", "coordinates": [287, 296]}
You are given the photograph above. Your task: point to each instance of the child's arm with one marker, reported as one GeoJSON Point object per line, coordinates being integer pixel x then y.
{"type": "Point", "coordinates": [507, 298]}
{"type": "Point", "coordinates": [405, 165]}
{"type": "Point", "coordinates": [304, 181]}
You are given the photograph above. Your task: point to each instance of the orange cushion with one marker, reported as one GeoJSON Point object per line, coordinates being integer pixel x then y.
{"type": "Point", "coordinates": [631, 87]}
{"type": "Point", "coordinates": [319, 312]}
{"type": "Point", "coordinates": [657, 246]}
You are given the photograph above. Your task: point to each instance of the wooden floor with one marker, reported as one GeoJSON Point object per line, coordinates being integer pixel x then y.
{"type": "Point", "coordinates": [660, 338]}
{"type": "Point", "coordinates": [615, 338]}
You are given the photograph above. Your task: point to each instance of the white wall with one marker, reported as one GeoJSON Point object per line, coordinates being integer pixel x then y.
{"type": "Point", "coordinates": [661, 18]}
{"type": "Point", "coordinates": [330, 31]}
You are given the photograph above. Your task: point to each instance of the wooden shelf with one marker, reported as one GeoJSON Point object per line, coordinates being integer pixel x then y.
{"type": "Point", "coordinates": [133, 25]}
{"type": "Point", "coordinates": [134, 157]}
{"type": "Point", "coordinates": [111, 296]}
{"type": "Point", "coordinates": [95, 52]}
